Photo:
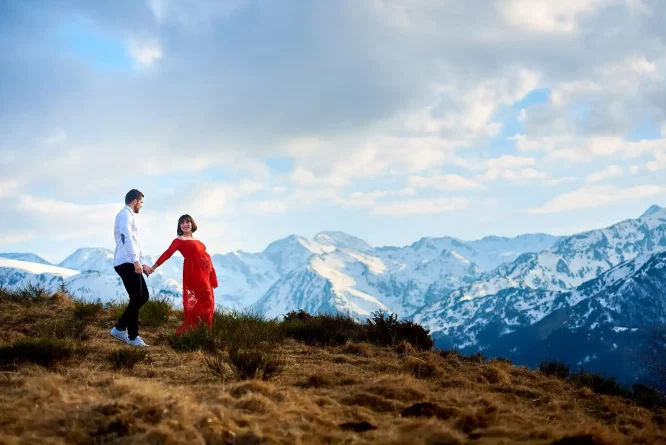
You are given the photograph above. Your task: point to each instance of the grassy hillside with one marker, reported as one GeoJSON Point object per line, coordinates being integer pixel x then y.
{"type": "Point", "coordinates": [63, 379]}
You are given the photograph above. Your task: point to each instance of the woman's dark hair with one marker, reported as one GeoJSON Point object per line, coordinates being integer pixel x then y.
{"type": "Point", "coordinates": [181, 220]}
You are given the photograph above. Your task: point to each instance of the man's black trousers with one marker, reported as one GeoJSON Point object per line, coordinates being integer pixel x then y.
{"type": "Point", "coordinates": [138, 296]}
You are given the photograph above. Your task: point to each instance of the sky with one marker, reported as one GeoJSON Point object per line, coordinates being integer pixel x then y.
{"type": "Point", "coordinates": [389, 120]}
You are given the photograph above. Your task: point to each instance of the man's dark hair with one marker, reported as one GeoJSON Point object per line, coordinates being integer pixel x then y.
{"type": "Point", "coordinates": [132, 195]}
{"type": "Point", "coordinates": [184, 218]}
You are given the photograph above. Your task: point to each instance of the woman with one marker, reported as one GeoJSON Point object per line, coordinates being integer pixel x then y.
{"type": "Point", "coordinates": [199, 278]}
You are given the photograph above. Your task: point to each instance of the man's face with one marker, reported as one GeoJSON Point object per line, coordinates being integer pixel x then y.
{"type": "Point", "coordinates": [137, 204]}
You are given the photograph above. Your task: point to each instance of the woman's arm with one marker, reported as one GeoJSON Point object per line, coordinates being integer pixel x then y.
{"type": "Point", "coordinates": [167, 254]}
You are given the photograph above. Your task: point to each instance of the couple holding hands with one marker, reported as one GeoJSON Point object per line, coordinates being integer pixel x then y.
{"type": "Point", "coordinates": [199, 278]}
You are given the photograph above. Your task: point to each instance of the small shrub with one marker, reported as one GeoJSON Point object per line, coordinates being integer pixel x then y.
{"type": "Point", "coordinates": [64, 328]}
{"type": "Point", "coordinates": [193, 340]}
{"type": "Point", "coordinates": [477, 357]}
{"type": "Point", "coordinates": [323, 329]}
{"type": "Point", "coordinates": [245, 329]}
{"type": "Point", "coordinates": [62, 287]}
{"type": "Point", "coordinates": [26, 295]}
{"type": "Point", "coordinates": [301, 315]}
{"type": "Point", "coordinates": [45, 352]}
{"type": "Point", "coordinates": [385, 330]}
{"type": "Point", "coordinates": [86, 309]}
{"type": "Point", "coordinates": [647, 397]}
{"type": "Point", "coordinates": [598, 383]}
{"type": "Point", "coordinates": [216, 364]}
{"type": "Point", "coordinates": [156, 311]}
{"type": "Point", "coordinates": [126, 357]}
{"type": "Point", "coordinates": [255, 363]}
{"type": "Point", "coordinates": [555, 368]}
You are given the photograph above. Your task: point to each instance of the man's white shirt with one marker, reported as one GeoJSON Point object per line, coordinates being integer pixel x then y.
{"type": "Point", "coordinates": [126, 233]}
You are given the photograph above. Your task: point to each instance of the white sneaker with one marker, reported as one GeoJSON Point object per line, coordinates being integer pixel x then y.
{"type": "Point", "coordinates": [138, 341]}
{"type": "Point", "coordinates": [120, 335]}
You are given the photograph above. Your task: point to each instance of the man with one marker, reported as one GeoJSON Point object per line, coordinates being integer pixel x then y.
{"type": "Point", "coordinates": [127, 262]}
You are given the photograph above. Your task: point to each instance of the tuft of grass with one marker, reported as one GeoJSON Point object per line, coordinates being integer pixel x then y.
{"type": "Point", "coordinates": [114, 309]}
{"type": "Point", "coordinates": [63, 328]}
{"type": "Point", "coordinates": [156, 311]}
{"type": "Point", "coordinates": [362, 349]}
{"type": "Point", "coordinates": [193, 340]}
{"type": "Point", "coordinates": [25, 295]}
{"type": "Point", "coordinates": [86, 309]}
{"type": "Point", "coordinates": [46, 352]}
{"type": "Point", "coordinates": [256, 363]}
{"type": "Point", "coordinates": [555, 368]}
{"type": "Point", "coordinates": [126, 357]}
{"type": "Point", "coordinates": [421, 369]}
{"type": "Point", "coordinates": [217, 365]}
{"type": "Point", "coordinates": [243, 329]}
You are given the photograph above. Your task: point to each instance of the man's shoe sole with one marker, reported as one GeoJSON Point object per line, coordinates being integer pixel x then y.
{"type": "Point", "coordinates": [119, 339]}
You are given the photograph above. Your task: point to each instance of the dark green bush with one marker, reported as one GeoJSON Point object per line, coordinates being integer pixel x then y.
{"type": "Point", "coordinates": [555, 368]}
{"type": "Point", "coordinates": [156, 311]}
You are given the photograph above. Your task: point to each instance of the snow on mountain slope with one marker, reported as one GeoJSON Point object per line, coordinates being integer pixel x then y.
{"type": "Point", "coordinates": [84, 259]}
{"type": "Point", "coordinates": [243, 277]}
{"type": "Point", "coordinates": [605, 332]}
{"type": "Point", "coordinates": [341, 240]}
{"type": "Point", "coordinates": [572, 260]}
{"type": "Point", "coordinates": [292, 252]}
{"type": "Point", "coordinates": [491, 251]}
{"type": "Point", "coordinates": [15, 273]}
{"type": "Point", "coordinates": [29, 257]}
{"type": "Point", "coordinates": [478, 323]}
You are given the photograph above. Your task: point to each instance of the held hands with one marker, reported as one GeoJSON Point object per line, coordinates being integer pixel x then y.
{"type": "Point", "coordinates": [148, 270]}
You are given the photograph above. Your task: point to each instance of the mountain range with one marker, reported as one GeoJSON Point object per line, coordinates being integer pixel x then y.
{"type": "Point", "coordinates": [514, 297]}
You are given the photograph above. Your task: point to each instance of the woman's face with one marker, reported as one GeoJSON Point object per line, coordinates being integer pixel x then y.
{"type": "Point", "coordinates": [186, 226]}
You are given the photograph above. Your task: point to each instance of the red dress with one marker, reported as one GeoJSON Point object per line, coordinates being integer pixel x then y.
{"type": "Point", "coordinates": [199, 280]}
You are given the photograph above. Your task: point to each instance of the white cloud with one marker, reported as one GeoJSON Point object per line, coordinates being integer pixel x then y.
{"type": "Point", "coordinates": [509, 167]}
{"type": "Point", "coordinates": [55, 137]}
{"type": "Point", "coordinates": [145, 52]}
{"type": "Point", "coordinates": [443, 182]}
{"type": "Point", "coordinates": [545, 15]}
{"type": "Point", "coordinates": [596, 196]}
{"type": "Point", "coordinates": [557, 181]}
{"type": "Point", "coordinates": [271, 206]}
{"type": "Point", "coordinates": [17, 237]}
{"type": "Point", "coordinates": [612, 171]}
{"type": "Point", "coordinates": [8, 187]}
{"type": "Point", "coordinates": [419, 207]}
{"type": "Point", "coordinates": [634, 169]}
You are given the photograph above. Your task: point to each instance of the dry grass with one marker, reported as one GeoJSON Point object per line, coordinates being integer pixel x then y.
{"type": "Point", "coordinates": [353, 393]}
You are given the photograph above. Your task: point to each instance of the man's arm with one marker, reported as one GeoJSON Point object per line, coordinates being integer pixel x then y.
{"type": "Point", "coordinates": [125, 227]}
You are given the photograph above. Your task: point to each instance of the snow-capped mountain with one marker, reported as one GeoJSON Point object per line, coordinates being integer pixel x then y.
{"type": "Point", "coordinates": [571, 261]}
{"type": "Point", "coordinates": [477, 323]}
{"type": "Point", "coordinates": [341, 240]}
{"type": "Point", "coordinates": [29, 257]}
{"type": "Point", "coordinates": [84, 259]}
{"type": "Point", "coordinates": [16, 273]}
{"type": "Point", "coordinates": [604, 326]}
{"type": "Point", "coordinates": [360, 278]}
